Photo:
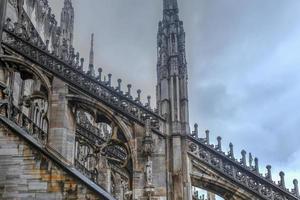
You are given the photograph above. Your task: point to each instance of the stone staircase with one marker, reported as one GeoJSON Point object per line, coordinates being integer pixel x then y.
{"type": "Point", "coordinates": [26, 173]}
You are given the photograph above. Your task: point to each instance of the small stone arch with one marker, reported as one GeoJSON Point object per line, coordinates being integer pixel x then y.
{"type": "Point", "coordinates": [28, 76]}
{"type": "Point", "coordinates": [31, 67]}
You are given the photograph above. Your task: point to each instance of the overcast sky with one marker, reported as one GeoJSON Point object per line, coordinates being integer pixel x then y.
{"type": "Point", "coordinates": [243, 62]}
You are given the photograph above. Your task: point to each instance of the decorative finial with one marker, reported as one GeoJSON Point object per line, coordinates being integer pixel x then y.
{"type": "Point", "coordinates": [77, 60]}
{"type": "Point", "coordinates": [281, 182]}
{"type": "Point", "coordinates": [148, 105]}
{"type": "Point", "coordinates": [296, 188]}
{"type": "Point", "coordinates": [91, 71]}
{"type": "Point", "coordinates": [92, 50]}
{"type": "Point", "coordinates": [269, 172]}
{"type": "Point", "coordinates": [99, 78]}
{"type": "Point", "coordinates": [256, 167]}
{"type": "Point", "coordinates": [109, 80]}
{"type": "Point", "coordinates": [243, 160]}
{"type": "Point", "coordinates": [129, 91]}
{"type": "Point", "coordinates": [207, 137]}
{"type": "Point", "coordinates": [81, 64]}
{"type": "Point", "coordinates": [231, 153]}
{"type": "Point", "coordinates": [138, 99]}
{"type": "Point", "coordinates": [119, 85]}
{"type": "Point", "coordinates": [195, 131]}
{"type": "Point", "coordinates": [219, 147]}
{"type": "Point", "coordinates": [250, 160]}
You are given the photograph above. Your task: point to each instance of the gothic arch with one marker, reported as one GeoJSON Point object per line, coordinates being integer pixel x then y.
{"type": "Point", "coordinates": [96, 108]}
{"type": "Point", "coordinates": [31, 67]}
{"type": "Point", "coordinates": [34, 102]}
{"type": "Point", "coordinates": [95, 105]}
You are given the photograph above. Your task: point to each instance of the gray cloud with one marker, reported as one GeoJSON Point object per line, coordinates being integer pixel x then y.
{"type": "Point", "coordinates": [244, 65]}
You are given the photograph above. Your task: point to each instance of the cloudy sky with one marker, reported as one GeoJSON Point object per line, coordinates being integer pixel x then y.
{"type": "Point", "coordinates": [243, 61]}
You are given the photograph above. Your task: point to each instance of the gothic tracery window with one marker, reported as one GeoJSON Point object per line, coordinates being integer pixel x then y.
{"type": "Point", "coordinates": [101, 153]}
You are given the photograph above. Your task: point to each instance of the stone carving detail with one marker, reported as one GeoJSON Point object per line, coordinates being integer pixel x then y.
{"type": "Point", "coordinates": [148, 149]}
{"type": "Point", "coordinates": [96, 149]}
{"type": "Point", "coordinates": [247, 176]}
{"type": "Point", "coordinates": [14, 113]}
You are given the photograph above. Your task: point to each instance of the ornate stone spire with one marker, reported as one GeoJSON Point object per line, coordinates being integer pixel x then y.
{"type": "Point", "coordinates": [92, 50]}
{"type": "Point", "coordinates": [91, 70]}
{"type": "Point", "coordinates": [172, 94]}
{"type": "Point", "coordinates": [67, 22]}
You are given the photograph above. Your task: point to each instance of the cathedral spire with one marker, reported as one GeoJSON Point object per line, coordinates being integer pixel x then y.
{"type": "Point", "coordinates": [67, 22]}
{"type": "Point", "coordinates": [92, 50]}
{"type": "Point", "coordinates": [172, 94]}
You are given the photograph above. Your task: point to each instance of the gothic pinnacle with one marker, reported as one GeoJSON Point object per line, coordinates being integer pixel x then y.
{"type": "Point", "coordinates": [92, 50]}
{"type": "Point", "coordinates": [219, 146]}
{"type": "Point", "coordinates": [281, 182]}
{"type": "Point", "coordinates": [195, 131]}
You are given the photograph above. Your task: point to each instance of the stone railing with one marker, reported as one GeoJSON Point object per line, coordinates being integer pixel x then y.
{"type": "Point", "coordinates": [26, 123]}
{"type": "Point", "coordinates": [239, 171]}
{"type": "Point", "coordinates": [100, 90]}
{"type": "Point", "coordinates": [90, 174]}
{"type": "Point", "coordinates": [14, 114]}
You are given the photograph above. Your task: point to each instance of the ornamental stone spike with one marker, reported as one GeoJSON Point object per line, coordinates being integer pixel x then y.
{"type": "Point", "coordinates": [250, 159]}
{"type": "Point", "coordinates": [77, 60]}
{"type": "Point", "coordinates": [269, 172]}
{"type": "Point", "coordinates": [81, 64]}
{"type": "Point", "coordinates": [243, 159]}
{"type": "Point", "coordinates": [207, 137]}
{"type": "Point", "coordinates": [195, 131]}
{"type": "Point", "coordinates": [109, 80]}
{"type": "Point", "coordinates": [92, 50]}
{"type": "Point", "coordinates": [99, 78]}
{"type": "Point", "coordinates": [281, 182]}
{"type": "Point", "coordinates": [91, 71]}
{"type": "Point", "coordinates": [219, 147]}
{"type": "Point", "coordinates": [149, 101]}
{"type": "Point", "coordinates": [296, 188]}
{"type": "Point", "coordinates": [256, 167]}
{"type": "Point", "coordinates": [138, 99]}
{"type": "Point", "coordinates": [129, 90]}
{"type": "Point", "coordinates": [119, 85]}
{"type": "Point", "coordinates": [231, 153]}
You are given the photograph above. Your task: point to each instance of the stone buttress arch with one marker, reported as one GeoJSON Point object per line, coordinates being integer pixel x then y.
{"type": "Point", "coordinates": [111, 116]}
{"type": "Point", "coordinates": [206, 178]}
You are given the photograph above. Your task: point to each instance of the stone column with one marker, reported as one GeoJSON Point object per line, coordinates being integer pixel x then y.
{"type": "Point", "coordinates": [62, 123]}
{"type": "Point", "coordinates": [3, 4]}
